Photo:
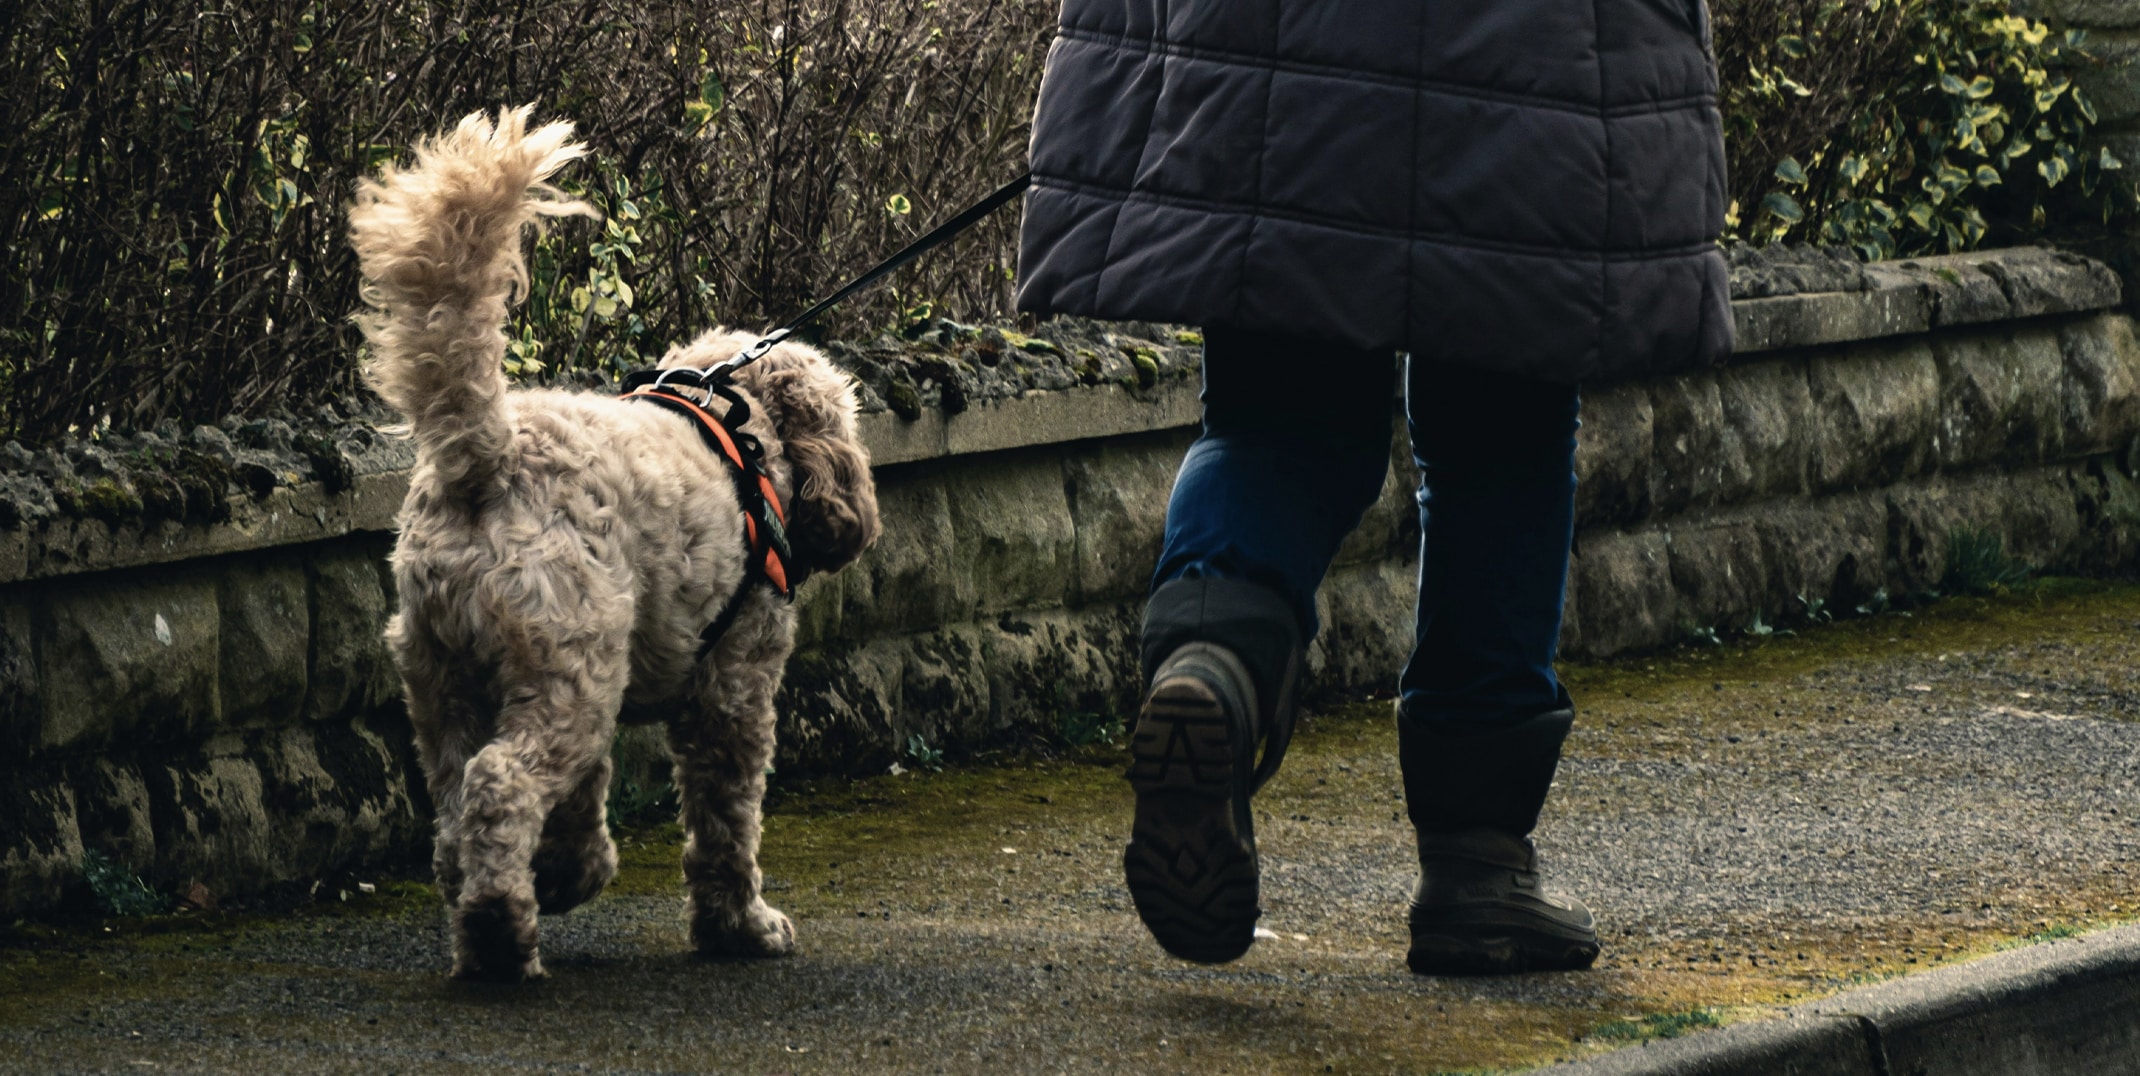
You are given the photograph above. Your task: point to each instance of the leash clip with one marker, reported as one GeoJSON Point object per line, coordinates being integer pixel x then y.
{"type": "Point", "coordinates": [751, 354]}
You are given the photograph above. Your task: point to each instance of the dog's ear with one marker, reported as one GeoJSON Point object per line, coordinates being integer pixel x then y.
{"type": "Point", "coordinates": [834, 517]}
{"type": "Point", "coordinates": [832, 514]}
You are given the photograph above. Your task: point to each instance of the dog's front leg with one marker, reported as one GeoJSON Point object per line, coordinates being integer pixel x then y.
{"type": "Point", "coordinates": [722, 750]}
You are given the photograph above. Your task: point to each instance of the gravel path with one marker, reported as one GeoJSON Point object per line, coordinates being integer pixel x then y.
{"type": "Point", "coordinates": [1754, 824]}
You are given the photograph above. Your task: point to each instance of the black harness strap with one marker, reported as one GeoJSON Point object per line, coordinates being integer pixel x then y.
{"type": "Point", "coordinates": [765, 534]}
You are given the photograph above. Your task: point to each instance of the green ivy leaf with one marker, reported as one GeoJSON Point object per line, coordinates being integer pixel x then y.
{"type": "Point", "coordinates": [2052, 169]}
{"type": "Point", "coordinates": [1794, 46]}
{"type": "Point", "coordinates": [1949, 84]}
{"type": "Point", "coordinates": [2109, 163]}
{"type": "Point", "coordinates": [898, 205]}
{"type": "Point", "coordinates": [1987, 176]}
{"type": "Point", "coordinates": [2086, 106]}
{"type": "Point", "coordinates": [1981, 87]}
{"type": "Point", "coordinates": [1784, 206]}
{"type": "Point", "coordinates": [1790, 171]}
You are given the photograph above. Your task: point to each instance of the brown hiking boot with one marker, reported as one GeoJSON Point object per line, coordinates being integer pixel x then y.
{"type": "Point", "coordinates": [1222, 657]}
{"type": "Point", "coordinates": [1191, 861]}
{"type": "Point", "coordinates": [1479, 909]}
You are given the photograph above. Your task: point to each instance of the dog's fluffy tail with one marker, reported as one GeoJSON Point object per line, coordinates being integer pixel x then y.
{"type": "Point", "coordinates": [440, 244]}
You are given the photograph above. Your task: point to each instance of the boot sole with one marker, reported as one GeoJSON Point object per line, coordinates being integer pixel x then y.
{"type": "Point", "coordinates": [1191, 872]}
{"type": "Point", "coordinates": [1496, 948]}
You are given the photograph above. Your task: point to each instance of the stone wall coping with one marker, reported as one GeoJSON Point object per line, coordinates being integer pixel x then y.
{"type": "Point", "coordinates": [1920, 295]}
{"type": "Point", "coordinates": [1908, 297]}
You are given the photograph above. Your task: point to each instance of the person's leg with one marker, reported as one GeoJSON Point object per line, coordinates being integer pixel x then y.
{"type": "Point", "coordinates": [1497, 515]}
{"type": "Point", "coordinates": [1295, 447]}
{"type": "Point", "coordinates": [1482, 716]}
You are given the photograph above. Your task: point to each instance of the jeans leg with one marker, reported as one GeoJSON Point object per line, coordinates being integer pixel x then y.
{"type": "Point", "coordinates": [1497, 516]}
{"type": "Point", "coordinates": [1295, 447]}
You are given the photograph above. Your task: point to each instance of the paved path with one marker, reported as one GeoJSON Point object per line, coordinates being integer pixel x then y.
{"type": "Point", "coordinates": [1755, 824]}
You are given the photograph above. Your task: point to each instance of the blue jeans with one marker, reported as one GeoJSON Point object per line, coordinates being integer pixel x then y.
{"type": "Point", "coordinates": [1295, 445]}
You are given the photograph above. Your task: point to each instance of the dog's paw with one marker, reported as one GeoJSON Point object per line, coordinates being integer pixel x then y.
{"type": "Point", "coordinates": [495, 941]}
{"type": "Point", "coordinates": [527, 971]}
{"type": "Point", "coordinates": [760, 932]}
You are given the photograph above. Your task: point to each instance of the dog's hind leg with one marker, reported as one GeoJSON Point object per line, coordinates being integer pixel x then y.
{"type": "Point", "coordinates": [722, 750]}
{"type": "Point", "coordinates": [577, 857]}
{"type": "Point", "coordinates": [554, 729]}
{"type": "Point", "coordinates": [451, 720]}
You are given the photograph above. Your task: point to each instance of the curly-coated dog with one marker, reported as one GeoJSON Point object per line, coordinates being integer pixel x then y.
{"type": "Point", "coordinates": [560, 554]}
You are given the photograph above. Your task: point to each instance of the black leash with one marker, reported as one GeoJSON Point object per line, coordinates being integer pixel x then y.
{"type": "Point", "coordinates": [937, 237]}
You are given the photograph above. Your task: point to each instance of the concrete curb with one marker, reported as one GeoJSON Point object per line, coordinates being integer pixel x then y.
{"type": "Point", "coordinates": [2063, 1007]}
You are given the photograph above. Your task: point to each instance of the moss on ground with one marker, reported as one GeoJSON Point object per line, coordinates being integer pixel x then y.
{"type": "Point", "coordinates": [966, 868]}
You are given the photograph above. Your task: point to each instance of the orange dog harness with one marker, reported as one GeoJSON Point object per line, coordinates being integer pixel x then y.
{"type": "Point", "coordinates": [765, 531]}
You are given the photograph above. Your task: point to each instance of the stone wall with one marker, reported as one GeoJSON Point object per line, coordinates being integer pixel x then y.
{"type": "Point", "coordinates": [230, 720]}
{"type": "Point", "coordinates": [209, 701]}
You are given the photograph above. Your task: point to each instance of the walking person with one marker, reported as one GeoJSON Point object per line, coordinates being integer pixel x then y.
{"type": "Point", "coordinates": [1520, 196]}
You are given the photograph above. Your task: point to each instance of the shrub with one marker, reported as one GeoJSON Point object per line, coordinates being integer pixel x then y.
{"type": "Point", "coordinates": [170, 205]}
{"type": "Point", "coordinates": [1903, 127]}
{"type": "Point", "coordinates": [171, 199]}
{"type": "Point", "coordinates": [119, 891]}
{"type": "Point", "coordinates": [1977, 563]}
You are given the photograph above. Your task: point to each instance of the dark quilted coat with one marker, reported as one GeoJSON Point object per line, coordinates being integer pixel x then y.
{"type": "Point", "coordinates": [1529, 186]}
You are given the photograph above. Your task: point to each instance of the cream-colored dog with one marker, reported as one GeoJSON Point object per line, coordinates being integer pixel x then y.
{"type": "Point", "coordinates": [561, 552]}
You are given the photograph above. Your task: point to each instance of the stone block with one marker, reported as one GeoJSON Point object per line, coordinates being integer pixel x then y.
{"type": "Point", "coordinates": [2100, 401]}
{"type": "Point", "coordinates": [1831, 550]}
{"type": "Point", "coordinates": [838, 705]}
{"type": "Point", "coordinates": [266, 618]}
{"type": "Point", "coordinates": [1623, 588]}
{"type": "Point", "coordinates": [1835, 317]}
{"type": "Point", "coordinates": [944, 690]}
{"type": "Point", "coordinates": [1612, 455]}
{"type": "Point", "coordinates": [334, 794]}
{"type": "Point", "coordinates": [2039, 282]}
{"type": "Point", "coordinates": [1044, 667]}
{"type": "Point", "coordinates": [1956, 293]}
{"type": "Point", "coordinates": [1874, 415]}
{"type": "Point", "coordinates": [2100, 14]}
{"type": "Point", "coordinates": [1010, 525]}
{"type": "Point", "coordinates": [2001, 398]}
{"type": "Point", "coordinates": [1718, 572]}
{"type": "Point", "coordinates": [352, 670]}
{"type": "Point", "coordinates": [21, 700]}
{"type": "Point", "coordinates": [2034, 512]}
{"type": "Point", "coordinates": [1766, 405]}
{"type": "Point", "coordinates": [1368, 612]}
{"type": "Point", "coordinates": [211, 820]}
{"type": "Point", "coordinates": [819, 604]}
{"type": "Point", "coordinates": [1390, 525]}
{"type": "Point", "coordinates": [1689, 468]}
{"type": "Point", "coordinates": [113, 810]}
{"type": "Point", "coordinates": [2108, 503]}
{"type": "Point", "coordinates": [40, 845]}
{"type": "Point", "coordinates": [1118, 506]}
{"type": "Point", "coordinates": [128, 661]}
{"type": "Point", "coordinates": [2113, 83]}
{"type": "Point", "coordinates": [915, 577]}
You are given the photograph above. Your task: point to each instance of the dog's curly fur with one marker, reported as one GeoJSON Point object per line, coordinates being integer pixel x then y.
{"type": "Point", "coordinates": [559, 555]}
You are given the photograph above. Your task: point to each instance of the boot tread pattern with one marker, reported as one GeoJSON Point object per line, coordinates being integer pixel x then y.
{"type": "Point", "coordinates": [1190, 871]}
